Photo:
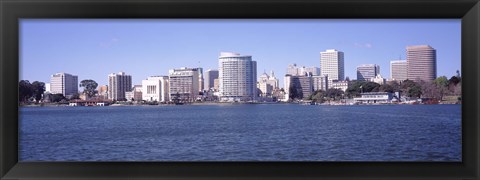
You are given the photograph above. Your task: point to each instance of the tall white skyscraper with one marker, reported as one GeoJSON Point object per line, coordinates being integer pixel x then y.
{"type": "Point", "coordinates": [365, 72]}
{"type": "Point", "coordinates": [118, 84]}
{"type": "Point", "coordinates": [332, 64]}
{"type": "Point", "coordinates": [421, 63]}
{"type": "Point", "coordinates": [183, 84]}
{"type": "Point", "coordinates": [63, 83]}
{"type": "Point", "coordinates": [155, 88]}
{"type": "Point", "coordinates": [398, 70]}
{"type": "Point", "coordinates": [237, 77]}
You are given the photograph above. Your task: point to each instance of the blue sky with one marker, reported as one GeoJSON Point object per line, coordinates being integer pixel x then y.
{"type": "Point", "coordinates": [94, 48]}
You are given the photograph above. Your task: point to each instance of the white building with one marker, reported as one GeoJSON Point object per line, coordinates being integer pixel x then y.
{"type": "Point", "coordinates": [343, 85]}
{"type": "Point", "coordinates": [378, 79]}
{"type": "Point", "coordinates": [118, 84]}
{"type": "Point", "coordinates": [314, 71]}
{"type": "Point", "coordinates": [293, 70]}
{"type": "Point", "coordinates": [183, 84]}
{"type": "Point", "coordinates": [376, 97]}
{"type": "Point", "coordinates": [47, 88]}
{"type": "Point", "coordinates": [155, 88]}
{"type": "Point", "coordinates": [398, 70]}
{"type": "Point", "coordinates": [237, 77]}
{"type": "Point", "coordinates": [63, 83]}
{"type": "Point", "coordinates": [320, 82]}
{"type": "Point", "coordinates": [365, 72]}
{"type": "Point", "coordinates": [332, 64]}
{"type": "Point", "coordinates": [267, 83]}
{"type": "Point", "coordinates": [135, 94]}
{"type": "Point", "coordinates": [200, 79]}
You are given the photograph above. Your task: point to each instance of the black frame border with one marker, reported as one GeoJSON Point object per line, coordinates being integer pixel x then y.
{"type": "Point", "coordinates": [13, 10]}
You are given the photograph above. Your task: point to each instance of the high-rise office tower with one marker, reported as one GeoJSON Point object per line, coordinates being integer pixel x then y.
{"type": "Point", "coordinates": [118, 84]}
{"type": "Point", "coordinates": [332, 64]}
{"type": "Point", "coordinates": [184, 84]}
{"type": "Point", "coordinates": [237, 77]}
{"type": "Point", "coordinates": [367, 71]}
{"type": "Point", "coordinates": [421, 63]}
{"type": "Point", "coordinates": [210, 76]}
{"type": "Point", "coordinates": [63, 83]}
{"type": "Point", "coordinates": [398, 70]}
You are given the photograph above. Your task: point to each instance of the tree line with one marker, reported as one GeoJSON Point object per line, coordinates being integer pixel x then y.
{"type": "Point", "coordinates": [28, 92]}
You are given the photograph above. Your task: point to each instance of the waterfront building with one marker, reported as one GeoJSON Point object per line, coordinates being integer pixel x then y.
{"type": "Point", "coordinates": [320, 82]}
{"type": "Point", "coordinates": [135, 94]}
{"type": "Point", "coordinates": [377, 97]}
{"type": "Point", "coordinates": [421, 63]}
{"type": "Point", "coordinates": [237, 77]}
{"type": "Point", "coordinates": [155, 88]}
{"type": "Point", "coordinates": [301, 84]}
{"type": "Point", "coordinates": [118, 84]}
{"type": "Point", "coordinates": [183, 84]}
{"type": "Point", "coordinates": [64, 83]}
{"type": "Point", "coordinates": [365, 72]}
{"type": "Point", "coordinates": [210, 76]}
{"type": "Point", "coordinates": [398, 70]}
{"type": "Point", "coordinates": [267, 83]}
{"type": "Point", "coordinates": [378, 79]}
{"type": "Point", "coordinates": [332, 64]}
{"type": "Point", "coordinates": [343, 85]}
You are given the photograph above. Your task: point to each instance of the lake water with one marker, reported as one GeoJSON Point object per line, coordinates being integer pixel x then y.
{"type": "Point", "coordinates": [264, 132]}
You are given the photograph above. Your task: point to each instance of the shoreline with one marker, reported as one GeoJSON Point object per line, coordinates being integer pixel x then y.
{"type": "Point", "coordinates": [243, 103]}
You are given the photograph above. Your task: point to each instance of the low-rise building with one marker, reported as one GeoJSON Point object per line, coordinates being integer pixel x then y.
{"type": "Point", "coordinates": [343, 85]}
{"type": "Point", "coordinates": [155, 88]}
{"type": "Point", "coordinates": [377, 97]}
{"type": "Point", "coordinates": [135, 94]}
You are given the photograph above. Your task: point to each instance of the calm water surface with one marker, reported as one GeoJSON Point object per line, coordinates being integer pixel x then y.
{"type": "Point", "coordinates": [266, 132]}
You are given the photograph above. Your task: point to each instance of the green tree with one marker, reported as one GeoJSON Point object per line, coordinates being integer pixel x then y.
{"type": "Point", "coordinates": [293, 93]}
{"type": "Point", "coordinates": [57, 97]}
{"type": "Point", "coordinates": [442, 86]}
{"type": "Point", "coordinates": [38, 89]}
{"type": "Point", "coordinates": [334, 94]}
{"type": "Point", "coordinates": [415, 91]}
{"type": "Point", "coordinates": [75, 96]}
{"type": "Point", "coordinates": [25, 90]}
{"type": "Point", "coordinates": [89, 87]}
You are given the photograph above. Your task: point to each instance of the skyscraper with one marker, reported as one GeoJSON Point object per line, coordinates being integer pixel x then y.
{"type": "Point", "coordinates": [118, 84]}
{"type": "Point", "coordinates": [63, 83]}
{"type": "Point", "coordinates": [301, 85]}
{"type": "Point", "coordinates": [200, 79]}
{"type": "Point", "coordinates": [367, 71]}
{"type": "Point", "coordinates": [210, 76]}
{"type": "Point", "coordinates": [267, 83]}
{"type": "Point", "coordinates": [398, 70]}
{"type": "Point", "coordinates": [184, 84]}
{"type": "Point", "coordinates": [332, 64]}
{"type": "Point", "coordinates": [237, 77]}
{"type": "Point", "coordinates": [421, 63]}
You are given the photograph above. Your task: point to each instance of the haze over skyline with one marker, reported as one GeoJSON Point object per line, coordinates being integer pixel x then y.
{"type": "Point", "coordinates": [92, 49]}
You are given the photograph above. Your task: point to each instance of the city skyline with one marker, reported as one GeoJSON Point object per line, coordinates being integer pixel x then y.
{"type": "Point", "coordinates": [69, 48]}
